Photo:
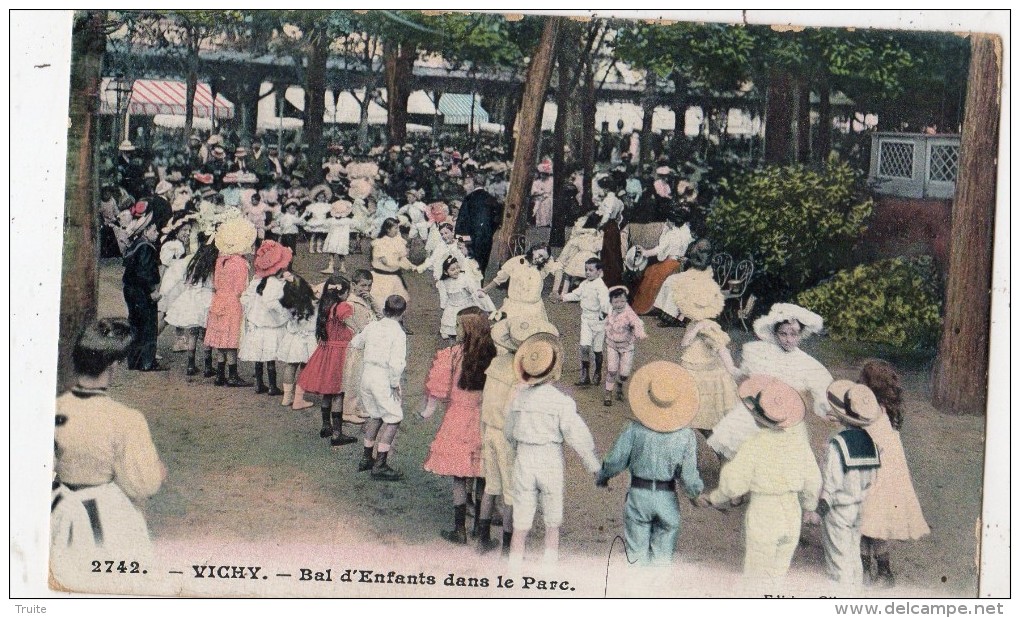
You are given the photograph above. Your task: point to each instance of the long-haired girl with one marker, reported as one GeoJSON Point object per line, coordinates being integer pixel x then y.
{"type": "Point", "coordinates": [324, 373]}
{"type": "Point", "coordinates": [458, 376]}
{"type": "Point", "coordinates": [298, 342]}
{"type": "Point", "coordinates": [190, 310]}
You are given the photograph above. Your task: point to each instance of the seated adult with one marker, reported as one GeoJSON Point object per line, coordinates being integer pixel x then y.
{"type": "Point", "coordinates": [670, 251]}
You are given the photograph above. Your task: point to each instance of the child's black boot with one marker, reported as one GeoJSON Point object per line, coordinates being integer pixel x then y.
{"type": "Point", "coordinates": [274, 390]}
{"type": "Point", "coordinates": [192, 367]}
{"type": "Point", "coordinates": [597, 378]}
{"type": "Point", "coordinates": [366, 460]}
{"type": "Point", "coordinates": [584, 381]}
{"type": "Point", "coordinates": [327, 427]}
{"type": "Point", "coordinates": [883, 573]}
{"type": "Point", "coordinates": [221, 374]}
{"type": "Point", "coordinates": [233, 379]}
{"type": "Point", "coordinates": [260, 385]}
{"type": "Point", "coordinates": [382, 471]}
{"type": "Point", "coordinates": [209, 372]}
{"type": "Point", "coordinates": [459, 533]}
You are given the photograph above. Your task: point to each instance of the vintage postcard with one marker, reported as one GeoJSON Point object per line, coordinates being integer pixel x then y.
{"type": "Point", "coordinates": [426, 304]}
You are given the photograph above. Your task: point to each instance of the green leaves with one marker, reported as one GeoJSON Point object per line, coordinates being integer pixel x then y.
{"type": "Point", "coordinates": [798, 223]}
{"type": "Point", "coordinates": [895, 302]}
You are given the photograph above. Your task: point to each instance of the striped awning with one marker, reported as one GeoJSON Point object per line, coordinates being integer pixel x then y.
{"type": "Point", "coordinates": [150, 97]}
{"type": "Point", "coordinates": [456, 109]}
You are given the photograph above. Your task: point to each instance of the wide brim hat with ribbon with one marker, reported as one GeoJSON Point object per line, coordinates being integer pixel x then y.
{"type": "Point", "coordinates": [247, 178]}
{"type": "Point", "coordinates": [697, 295]}
{"type": "Point", "coordinates": [633, 261]}
{"type": "Point", "coordinates": [663, 396]}
{"type": "Point", "coordinates": [341, 208]}
{"type": "Point", "coordinates": [513, 331]}
{"type": "Point", "coordinates": [235, 236]}
{"type": "Point", "coordinates": [270, 258]}
{"type": "Point", "coordinates": [126, 146]}
{"type": "Point", "coordinates": [764, 327]}
{"type": "Point", "coordinates": [853, 404]}
{"type": "Point", "coordinates": [323, 189]}
{"type": "Point", "coordinates": [772, 402]}
{"type": "Point", "coordinates": [663, 170]}
{"type": "Point", "coordinates": [539, 359]}
{"type": "Point", "coordinates": [438, 212]}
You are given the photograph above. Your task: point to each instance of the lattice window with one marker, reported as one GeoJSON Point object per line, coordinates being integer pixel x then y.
{"type": "Point", "coordinates": [896, 159]}
{"type": "Point", "coordinates": [943, 162]}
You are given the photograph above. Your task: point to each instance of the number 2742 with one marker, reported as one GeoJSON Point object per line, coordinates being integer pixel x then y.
{"type": "Point", "coordinates": [112, 566]}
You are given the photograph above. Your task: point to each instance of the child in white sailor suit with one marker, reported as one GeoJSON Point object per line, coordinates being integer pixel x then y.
{"type": "Point", "coordinates": [105, 460]}
{"type": "Point", "coordinates": [593, 295]}
{"type": "Point", "coordinates": [539, 420]}
{"type": "Point", "coordinates": [851, 463]}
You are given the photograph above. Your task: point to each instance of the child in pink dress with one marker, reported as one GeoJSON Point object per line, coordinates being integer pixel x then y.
{"type": "Point", "coordinates": [891, 511]}
{"type": "Point", "coordinates": [458, 376]}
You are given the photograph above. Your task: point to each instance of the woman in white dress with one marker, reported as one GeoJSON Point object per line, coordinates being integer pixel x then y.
{"type": "Point", "coordinates": [777, 354]}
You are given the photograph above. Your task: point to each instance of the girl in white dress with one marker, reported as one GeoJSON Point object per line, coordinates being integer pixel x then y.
{"type": "Point", "coordinates": [298, 340]}
{"type": "Point", "coordinates": [338, 236]}
{"type": "Point", "coordinates": [264, 316]}
{"type": "Point", "coordinates": [456, 291]}
{"type": "Point", "coordinates": [777, 354]}
{"type": "Point", "coordinates": [189, 311]}
{"type": "Point", "coordinates": [442, 250]}
{"type": "Point", "coordinates": [315, 216]}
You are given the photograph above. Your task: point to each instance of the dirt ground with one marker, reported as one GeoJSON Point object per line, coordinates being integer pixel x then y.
{"type": "Point", "coordinates": [251, 480]}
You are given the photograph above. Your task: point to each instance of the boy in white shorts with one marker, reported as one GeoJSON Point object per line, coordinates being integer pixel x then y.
{"type": "Point", "coordinates": [385, 355]}
{"type": "Point", "coordinates": [539, 420]}
{"type": "Point", "coordinates": [593, 296]}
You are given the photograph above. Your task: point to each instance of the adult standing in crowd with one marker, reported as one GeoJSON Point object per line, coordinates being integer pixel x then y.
{"type": "Point", "coordinates": [480, 215]}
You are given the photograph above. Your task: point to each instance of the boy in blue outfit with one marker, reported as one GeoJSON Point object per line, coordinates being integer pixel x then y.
{"type": "Point", "coordinates": [657, 448]}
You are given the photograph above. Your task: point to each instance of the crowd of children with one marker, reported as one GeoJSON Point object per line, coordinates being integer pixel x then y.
{"type": "Point", "coordinates": [496, 370]}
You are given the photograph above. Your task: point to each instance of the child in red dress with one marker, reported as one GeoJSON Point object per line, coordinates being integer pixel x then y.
{"type": "Point", "coordinates": [324, 373]}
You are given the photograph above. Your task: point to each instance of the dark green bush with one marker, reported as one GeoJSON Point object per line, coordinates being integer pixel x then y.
{"type": "Point", "coordinates": [896, 302]}
{"type": "Point", "coordinates": [798, 223]}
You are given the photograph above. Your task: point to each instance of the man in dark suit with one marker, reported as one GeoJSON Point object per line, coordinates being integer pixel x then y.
{"type": "Point", "coordinates": [479, 217]}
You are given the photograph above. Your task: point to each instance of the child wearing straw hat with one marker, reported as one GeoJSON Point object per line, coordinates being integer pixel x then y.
{"type": "Point", "coordinates": [539, 420]}
{"type": "Point", "coordinates": [703, 349]}
{"type": "Point", "coordinates": [497, 454]}
{"type": "Point", "coordinates": [234, 238]}
{"type": "Point", "coordinates": [778, 469]}
{"type": "Point", "coordinates": [657, 448]}
{"type": "Point", "coordinates": [851, 463]}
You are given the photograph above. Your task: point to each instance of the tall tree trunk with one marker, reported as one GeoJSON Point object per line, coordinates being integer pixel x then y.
{"type": "Point", "coordinates": [823, 136]}
{"type": "Point", "coordinates": [399, 64]}
{"type": "Point", "coordinates": [366, 102]}
{"type": "Point", "coordinates": [778, 117]}
{"type": "Point", "coordinates": [78, 293]}
{"type": "Point", "coordinates": [568, 62]}
{"type": "Point", "coordinates": [961, 369]}
{"type": "Point", "coordinates": [648, 103]}
{"type": "Point", "coordinates": [532, 102]}
{"type": "Point", "coordinates": [315, 104]}
{"type": "Point", "coordinates": [588, 136]}
{"type": "Point", "coordinates": [190, 87]}
{"type": "Point", "coordinates": [803, 121]}
{"type": "Point", "coordinates": [513, 108]}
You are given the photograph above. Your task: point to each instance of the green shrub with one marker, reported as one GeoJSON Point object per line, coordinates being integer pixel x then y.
{"type": "Point", "coordinates": [896, 302]}
{"type": "Point", "coordinates": [797, 223]}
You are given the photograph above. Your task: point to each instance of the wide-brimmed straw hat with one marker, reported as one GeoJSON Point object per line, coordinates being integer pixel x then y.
{"type": "Point", "coordinates": [235, 236]}
{"type": "Point", "coordinates": [270, 258]}
{"type": "Point", "coordinates": [513, 331]}
{"type": "Point", "coordinates": [764, 326]}
{"type": "Point", "coordinates": [772, 402]}
{"type": "Point", "coordinates": [539, 359]}
{"type": "Point", "coordinates": [634, 261]}
{"type": "Point", "coordinates": [697, 295]}
{"type": "Point", "coordinates": [126, 146]}
{"type": "Point", "coordinates": [853, 404]}
{"type": "Point", "coordinates": [663, 396]}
